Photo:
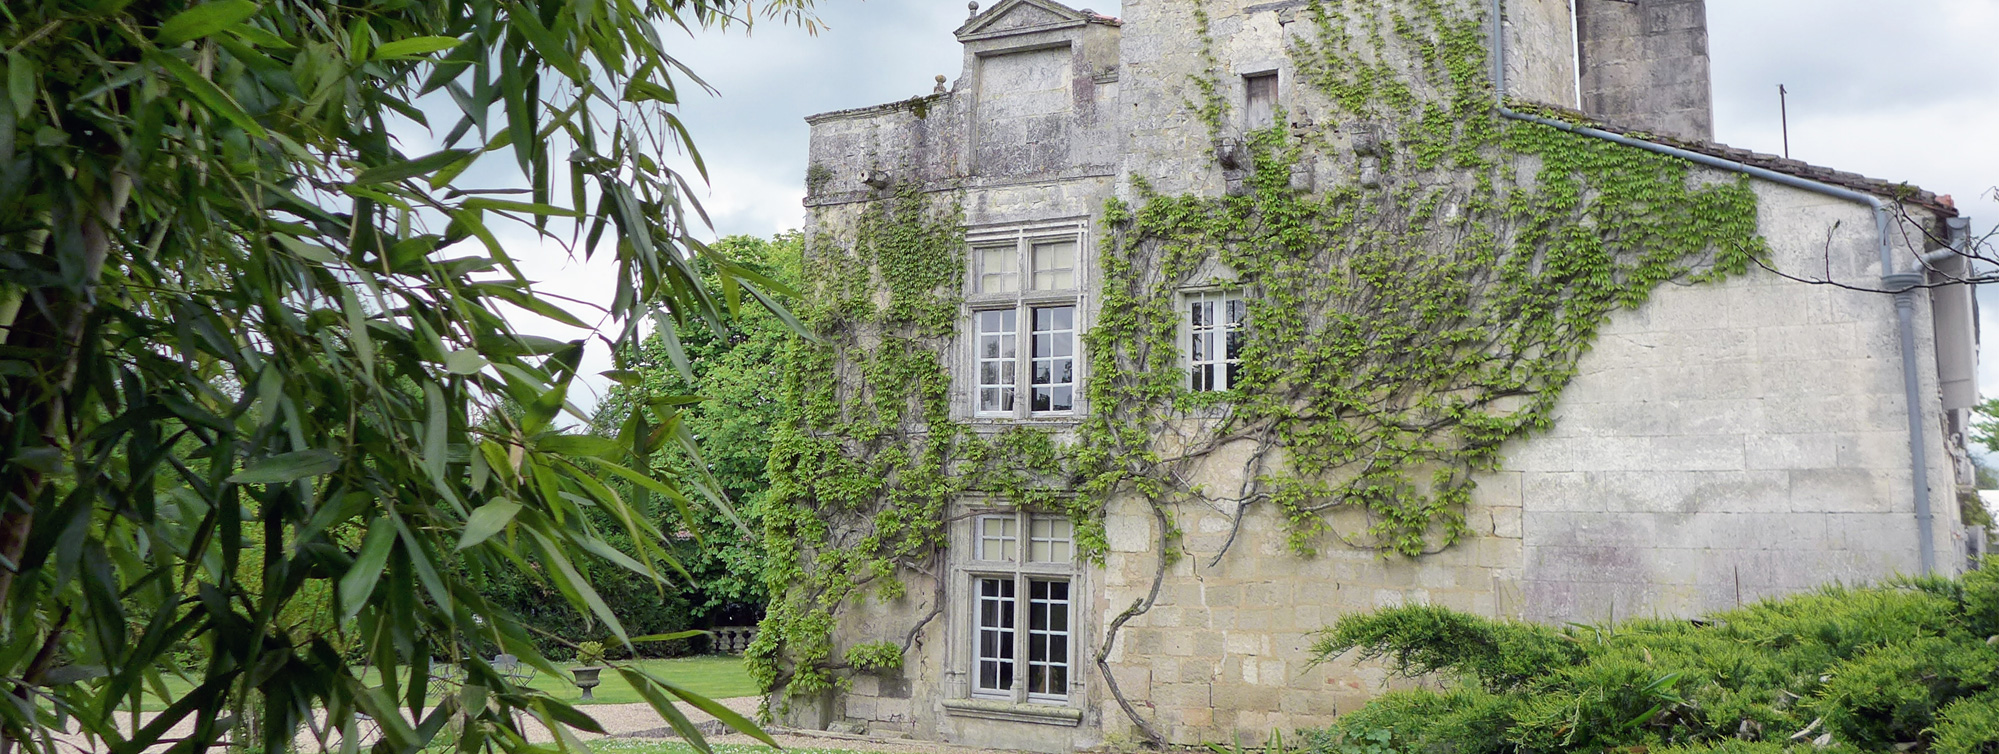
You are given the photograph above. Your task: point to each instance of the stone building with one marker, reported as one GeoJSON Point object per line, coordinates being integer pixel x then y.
{"type": "Point", "coordinates": [1718, 442]}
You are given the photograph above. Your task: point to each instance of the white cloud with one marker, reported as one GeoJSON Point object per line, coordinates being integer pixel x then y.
{"type": "Point", "coordinates": [1908, 93]}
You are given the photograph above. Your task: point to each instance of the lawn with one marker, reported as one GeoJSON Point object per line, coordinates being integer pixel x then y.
{"type": "Point", "coordinates": [713, 676]}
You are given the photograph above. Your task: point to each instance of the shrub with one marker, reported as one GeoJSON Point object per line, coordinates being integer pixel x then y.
{"type": "Point", "coordinates": [1905, 666]}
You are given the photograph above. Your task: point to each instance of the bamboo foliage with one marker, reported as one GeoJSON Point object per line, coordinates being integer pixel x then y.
{"type": "Point", "coordinates": [255, 344]}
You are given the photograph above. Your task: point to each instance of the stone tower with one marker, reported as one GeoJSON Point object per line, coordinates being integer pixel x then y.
{"type": "Point", "coordinates": [1644, 65]}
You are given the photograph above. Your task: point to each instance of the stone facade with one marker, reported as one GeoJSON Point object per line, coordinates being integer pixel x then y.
{"type": "Point", "coordinates": [1722, 443]}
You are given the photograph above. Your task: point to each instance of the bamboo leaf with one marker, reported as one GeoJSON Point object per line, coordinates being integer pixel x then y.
{"type": "Point", "coordinates": [487, 521]}
{"type": "Point", "coordinates": [211, 96]}
{"type": "Point", "coordinates": [413, 47]}
{"type": "Point", "coordinates": [465, 361]}
{"type": "Point", "coordinates": [581, 445]}
{"type": "Point", "coordinates": [360, 579]}
{"type": "Point", "coordinates": [288, 467]}
{"type": "Point", "coordinates": [410, 168]}
{"type": "Point", "coordinates": [203, 20]}
{"type": "Point", "coordinates": [21, 87]}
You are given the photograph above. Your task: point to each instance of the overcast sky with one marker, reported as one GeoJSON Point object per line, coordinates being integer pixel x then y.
{"type": "Point", "coordinates": [1908, 95]}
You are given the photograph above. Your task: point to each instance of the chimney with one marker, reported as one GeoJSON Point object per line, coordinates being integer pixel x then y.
{"type": "Point", "coordinates": [1645, 65]}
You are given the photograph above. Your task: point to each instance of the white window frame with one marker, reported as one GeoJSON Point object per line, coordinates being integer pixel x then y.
{"type": "Point", "coordinates": [1022, 571]}
{"type": "Point", "coordinates": [1218, 355]}
{"type": "Point", "coordinates": [1023, 300]}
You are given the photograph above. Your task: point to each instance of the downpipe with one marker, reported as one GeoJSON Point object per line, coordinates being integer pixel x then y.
{"type": "Point", "coordinates": [1903, 284]}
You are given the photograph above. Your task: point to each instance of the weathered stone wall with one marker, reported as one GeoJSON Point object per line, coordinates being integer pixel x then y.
{"type": "Point", "coordinates": [1730, 442]}
{"type": "Point", "coordinates": [1645, 65]}
{"type": "Point", "coordinates": [1541, 52]}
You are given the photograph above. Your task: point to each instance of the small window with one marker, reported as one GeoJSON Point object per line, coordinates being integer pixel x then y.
{"type": "Point", "coordinates": [1260, 92]}
{"type": "Point", "coordinates": [1214, 324]}
{"type": "Point", "coordinates": [999, 270]}
{"type": "Point", "coordinates": [1054, 265]}
{"type": "Point", "coordinates": [1051, 539]}
{"type": "Point", "coordinates": [997, 537]}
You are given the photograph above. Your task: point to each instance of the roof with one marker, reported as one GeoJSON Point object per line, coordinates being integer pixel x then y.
{"type": "Point", "coordinates": [1903, 191]}
{"type": "Point", "coordinates": [1009, 17]}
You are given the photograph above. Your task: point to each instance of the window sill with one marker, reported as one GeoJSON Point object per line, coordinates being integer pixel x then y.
{"type": "Point", "coordinates": [1044, 420]}
{"type": "Point", "coordinates": [1040, 714]}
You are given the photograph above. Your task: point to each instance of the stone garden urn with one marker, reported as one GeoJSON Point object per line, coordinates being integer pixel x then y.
{"type": "Point", "coordinates": [586, 679]}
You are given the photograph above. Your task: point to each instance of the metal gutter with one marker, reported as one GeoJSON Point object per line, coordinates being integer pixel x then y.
{"type": "Point", "coordinates": [1904, 284]}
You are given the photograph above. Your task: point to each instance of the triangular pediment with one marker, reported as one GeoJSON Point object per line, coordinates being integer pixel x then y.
{"type": "Point", "coordinates": [1020, 16]}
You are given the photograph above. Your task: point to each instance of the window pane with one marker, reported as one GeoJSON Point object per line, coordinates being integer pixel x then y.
{"type": "Point", "coordinates": [1054, 265]}
{"type": "Point", "coordinates": [1062, 399]}
{"type": "Point", "coordinates": [995, 658]}
{"type": "Point", "coordinates": [996, 353]}
{"type": "Point", "coordinates": [1048, 639]}
{"type": "Point", "coordinates": [997, 538]}
{"type": "Point", "coordinates": [997, 269]}
{"type": "Point", "coordinates": [1054, 359]}
{"type": "Point", "coordinates": [1051, 540]}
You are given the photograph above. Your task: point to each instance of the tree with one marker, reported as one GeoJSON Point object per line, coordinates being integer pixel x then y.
{"type": "Point", "coordinates": [734, 375]}
{"type": "Point", "coordinates": [249, 339]}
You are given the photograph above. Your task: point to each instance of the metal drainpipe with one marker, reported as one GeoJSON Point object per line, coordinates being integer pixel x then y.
{"type": "Point", "coordinates": [1904, 284]}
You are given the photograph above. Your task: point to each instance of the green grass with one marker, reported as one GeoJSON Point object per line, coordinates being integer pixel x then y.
{"type": "Point", "coordinates": [713, 676]}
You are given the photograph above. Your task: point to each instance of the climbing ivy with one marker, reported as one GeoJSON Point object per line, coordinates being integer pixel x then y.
{"type": "Point", "coordinates": [870, 457]}
{"type": "Point", "coordinates": [1425, 304]}
{"type": "Point", "coordinates": [1424, 307]}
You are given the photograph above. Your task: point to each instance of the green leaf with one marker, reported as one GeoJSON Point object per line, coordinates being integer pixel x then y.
{"type": "Point", "coordinates": [360, 579]}
{"type": "Point", "coordinates": [648, 688]}
{"type": "Point", "coordinates": [261, 38]}
{"type": "Point", "coordinates": [414, 46]}
{"type": "Point", "coordinates": [288, 467]}
{"type": "Point", "coordinates": [581, 445]}
{"type": "Point", "coordinates": [436, 431]}
{"type": "Point", "coordinates": [465, 361]}
{"type": "Point", "coordinates": [211, 96]}
{"type": "Point", "coordinates": [675, 636]}
{"type": "Point", "coordinates": [203, 20]}
{"type": "Point", "coordinates": [397, 171]}
{"type": "Point", "coordinates": [21, 83]}
{"type": "Point", "coordinates": [486, 521]}
{"type": "Point", "coordinates": [728, 716]}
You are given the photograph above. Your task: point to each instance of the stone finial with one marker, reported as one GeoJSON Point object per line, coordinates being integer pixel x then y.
{"type": "Point", "coordinates": [940, 85]}
{"type": "Point", "coordinates": [973, 6]}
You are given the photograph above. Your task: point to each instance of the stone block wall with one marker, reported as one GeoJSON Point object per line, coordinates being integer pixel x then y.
{"type": "Point", "coordinates": [1541, 52]}
{"type": "Point", "coordinates": [1645, 65]}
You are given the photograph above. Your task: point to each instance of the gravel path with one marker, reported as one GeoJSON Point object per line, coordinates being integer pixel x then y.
{"type": "Point", "coordinates": [640, 722]}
